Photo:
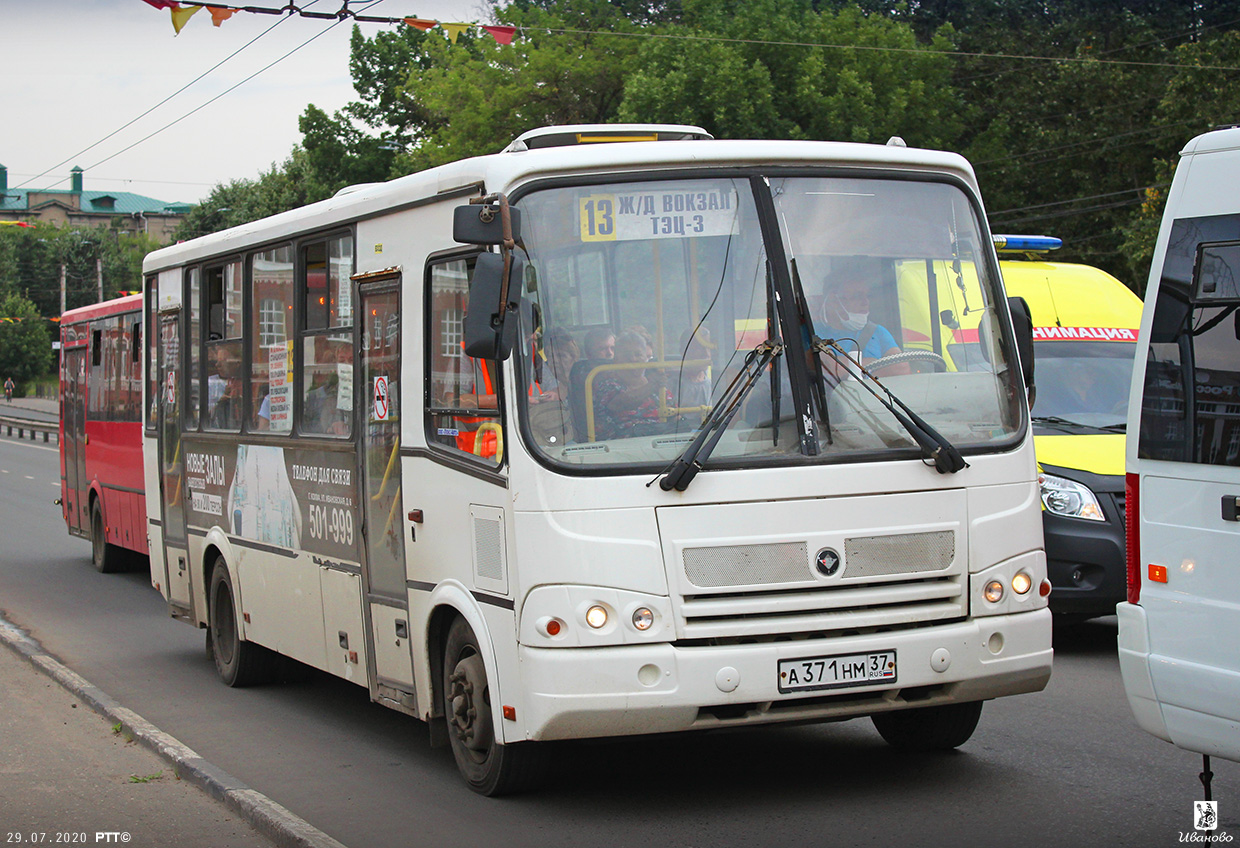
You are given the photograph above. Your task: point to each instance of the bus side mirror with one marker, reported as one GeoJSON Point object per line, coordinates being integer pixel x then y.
{"type": "Point", "coordinates": [1022, 325]}
{"type": "Point", "coordinates": [491, 325]}
{"type": "Point", "coordinates": [482, 223]}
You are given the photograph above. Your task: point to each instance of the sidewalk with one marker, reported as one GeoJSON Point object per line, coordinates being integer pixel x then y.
{"type": "Point", "coordinates": [45, 405]}
{"type": "Point", "coordinates": [64, 770]}
{"type": "Point", "coordinates": [67, 769]}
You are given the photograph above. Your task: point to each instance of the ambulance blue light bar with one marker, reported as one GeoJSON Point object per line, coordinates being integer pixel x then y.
{"type": "Point", "coordinates": [1026, 244]}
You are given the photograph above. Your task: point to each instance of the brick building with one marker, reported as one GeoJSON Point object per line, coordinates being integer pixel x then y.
{"type": "Point", "coordinates": [75, 207]}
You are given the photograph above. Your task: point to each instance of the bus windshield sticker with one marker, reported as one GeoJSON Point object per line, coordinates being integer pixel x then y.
{"type": "Point", "coordinates": [658, 214]}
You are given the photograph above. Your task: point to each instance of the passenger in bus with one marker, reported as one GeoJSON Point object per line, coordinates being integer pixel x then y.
{"type": "Point", "coordinates": [262, 419]}
{"type": "Point", "coordinates": [326, 411]}
{"type": "Point", "coordinates": [845, 317]}
{"type": "Point", "coordinates": [226, 415]}
{"type": "Point", "coordinates": [600, 347]}
{"type": "Point", "coordinates": [627, 401]}
{"type": "Point", "coordinates": [560, 354]}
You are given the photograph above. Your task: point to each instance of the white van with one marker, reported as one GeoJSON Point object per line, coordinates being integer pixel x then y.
{"type": "Point", "coordinates": [1179, 631]}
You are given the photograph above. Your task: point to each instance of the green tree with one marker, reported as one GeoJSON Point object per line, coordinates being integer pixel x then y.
{"type": "Point", "coordinates": [31, 260]}
{"type": "Point", "coordinates": [25, 343]}
{"type": "Point", "coordinates": [778, 69]}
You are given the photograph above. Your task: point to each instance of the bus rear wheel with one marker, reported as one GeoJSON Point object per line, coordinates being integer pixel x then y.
{"type": "Point", "coordinates": [929, 728]}
{"type": "Point", "coordinates": [239, 663]}
{"type": "Point", "coordinates": [105, 557]}
{"type": "Point", "coordinates": [490, 768]}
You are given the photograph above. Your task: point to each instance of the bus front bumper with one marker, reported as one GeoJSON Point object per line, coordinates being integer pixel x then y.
{"type": "Point", "coordinates": [637, 689]}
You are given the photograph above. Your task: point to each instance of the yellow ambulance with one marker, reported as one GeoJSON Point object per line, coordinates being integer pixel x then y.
{"type": "Point", "coordinates": [1085, 333]}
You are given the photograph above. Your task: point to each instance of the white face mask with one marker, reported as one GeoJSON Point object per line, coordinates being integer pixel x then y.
{"type": "Point", "coordinates": [855, 321]}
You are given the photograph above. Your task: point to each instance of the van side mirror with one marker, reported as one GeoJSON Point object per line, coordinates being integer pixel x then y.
{"type": "Point", "coordinates": [491, 320]}
{"type": "Point", "coordinates": [1022, 326]}
{"type": "Point", "coordinates": [482, 223]}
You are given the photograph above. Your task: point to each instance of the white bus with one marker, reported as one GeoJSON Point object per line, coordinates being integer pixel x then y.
{"type": "Point", "coordinates": [643, 487]}
{"type": "Point", "coordinates": [1180, 626]}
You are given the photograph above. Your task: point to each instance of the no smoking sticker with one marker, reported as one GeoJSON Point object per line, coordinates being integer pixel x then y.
{"type": "Point", "coordinates": [383, 403]}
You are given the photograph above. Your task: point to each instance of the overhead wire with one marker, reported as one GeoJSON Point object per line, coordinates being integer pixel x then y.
{"type": "Point", "coordinates": [176, 93]}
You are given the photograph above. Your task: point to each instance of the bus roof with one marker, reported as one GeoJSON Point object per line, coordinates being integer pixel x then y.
{"type": "Point", "coordinates": [505, 170]}
{"type": "Point", "coordinates": [128, 303]}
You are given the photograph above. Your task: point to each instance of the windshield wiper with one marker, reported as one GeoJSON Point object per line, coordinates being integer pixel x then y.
{"type": "Point", "coordinates": [1065, 423]}
{"type": "Point", "coordinates": [935, 447]}
{"type": "Point", "coordinates": [686, 466]}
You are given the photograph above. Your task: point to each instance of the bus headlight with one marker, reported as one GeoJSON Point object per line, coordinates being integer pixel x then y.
{"type": "Point", "coordinates": [1021, 583]}
{"type": "Point", "coordinates": [1061, 496]}
{"type": "Point", "coordinates": [994, 591]}
{"type": "Point", "coordinates": [643, 618]}
{"type": "Point", "coordinates": [596, 616]}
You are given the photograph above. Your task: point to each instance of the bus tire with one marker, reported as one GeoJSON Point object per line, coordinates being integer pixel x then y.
{"type": "Point", "coordinates": [929, 728]}
{"type": "Point", "coordinates": [490, 768]}
{"type": "Point", "coordinates": [104, 556]}
{"type": "Point", "coordinates": [239, 663]}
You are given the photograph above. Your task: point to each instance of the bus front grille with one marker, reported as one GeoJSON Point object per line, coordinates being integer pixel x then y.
{"type": "Point", "coordinates": [769, 590]}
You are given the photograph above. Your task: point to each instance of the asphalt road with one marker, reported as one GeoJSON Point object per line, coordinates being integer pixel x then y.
{"type": "Point", "coordinates": [1066, 766]}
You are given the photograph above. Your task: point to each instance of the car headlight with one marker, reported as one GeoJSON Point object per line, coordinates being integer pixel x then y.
{"type": "Point", "coordinates": [1061, 496]}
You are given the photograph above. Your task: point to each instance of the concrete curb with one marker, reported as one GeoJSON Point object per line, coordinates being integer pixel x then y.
{"type": "Point", "coordinates": [269, 818]}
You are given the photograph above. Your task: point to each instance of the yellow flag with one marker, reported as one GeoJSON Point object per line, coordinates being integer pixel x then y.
{"type": "Point", "coordinates": [181, 16]}
{"type": "Point", "coordinates": [454, 30]}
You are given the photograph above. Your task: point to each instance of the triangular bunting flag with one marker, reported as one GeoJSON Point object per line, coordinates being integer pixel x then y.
{"type": "Point", "coordinates": [502, 34]}
{"type": "Point", "coordinates": [454, 30]}
{"type": "Point", "coordinates": [419, 23]}
{"type": "Point", "coordinates": [181, 16]}
{"type": "Point", "coordinates": [218, 16]}
{"type": "Point", "coordinates": [163, 4]}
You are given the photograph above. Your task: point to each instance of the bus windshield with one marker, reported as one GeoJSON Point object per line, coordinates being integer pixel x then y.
{"type": "Point", "coordinates": [645, 300]}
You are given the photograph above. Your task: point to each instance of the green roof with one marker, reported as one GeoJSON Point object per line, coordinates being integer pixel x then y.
{"type": "Point", "coordinates": [97, 202]}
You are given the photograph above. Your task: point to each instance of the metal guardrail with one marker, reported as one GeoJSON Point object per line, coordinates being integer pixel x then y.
{"type": "Point", "coordinates": [25, 425]}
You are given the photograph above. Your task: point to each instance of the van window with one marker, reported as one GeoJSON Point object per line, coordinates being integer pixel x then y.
{"type": "Point", "coordinates": [1190, 406]}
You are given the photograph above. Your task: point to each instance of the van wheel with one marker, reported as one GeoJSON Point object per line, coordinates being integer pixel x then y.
{"type": "Point", "coordinates": [238, 662]}
{"type": "Point", "coordinates": [490, 768]}
{"type": "Point", "coordinates": [929, 728]}
{"type": "Point", "coordinates": [105, 557]}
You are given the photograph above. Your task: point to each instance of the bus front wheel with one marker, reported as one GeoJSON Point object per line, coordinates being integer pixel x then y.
{"type": "Point", "coordinates": [490, 768]}
{"type": "Point", "coordinates": [929, 728]}
{"type": "Point", "coordinates": [239, 663]}
{"type": "Point", "coordinates": [105, 557]}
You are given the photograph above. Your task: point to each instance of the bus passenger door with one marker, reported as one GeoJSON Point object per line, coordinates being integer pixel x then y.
{"type": "Point", "coordinates": [171, 461]}
{"type": "Point", "coordinates": [77, 484]}
{"type": "Point", "coordinates": [382, 513]}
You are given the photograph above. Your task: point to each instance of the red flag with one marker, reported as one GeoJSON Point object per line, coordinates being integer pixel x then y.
{"type": "Point", "coordinates": [163, 4]}
{"type": "Point", "coordinates": [502, 34]}
{"type": "Point", "coordinates": [420, 23]}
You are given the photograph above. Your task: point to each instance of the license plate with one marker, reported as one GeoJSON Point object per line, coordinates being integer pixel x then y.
{"type": "Point", "coordinates": [837, 671]}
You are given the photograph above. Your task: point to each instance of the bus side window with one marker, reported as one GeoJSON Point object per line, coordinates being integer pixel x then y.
{"type": "Point", "coordinates": [463, 392]}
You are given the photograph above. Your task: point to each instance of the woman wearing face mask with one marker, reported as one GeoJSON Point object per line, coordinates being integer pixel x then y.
{"type": "Point", "coordinates": [845, 317]}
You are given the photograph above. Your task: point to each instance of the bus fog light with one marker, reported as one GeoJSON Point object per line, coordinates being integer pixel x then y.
{"type": "Point", "coordinates": [643, 618]}
{"type": "Point", "coordinates": [1021, 583]}
{"type": "Point", "coordinates": [994, 591]}
{"type": "Point", "coordinates": [596, 616]}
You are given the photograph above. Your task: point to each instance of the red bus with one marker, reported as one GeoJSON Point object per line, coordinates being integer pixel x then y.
{"type": "Point", "coordinates": [102, 492]}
